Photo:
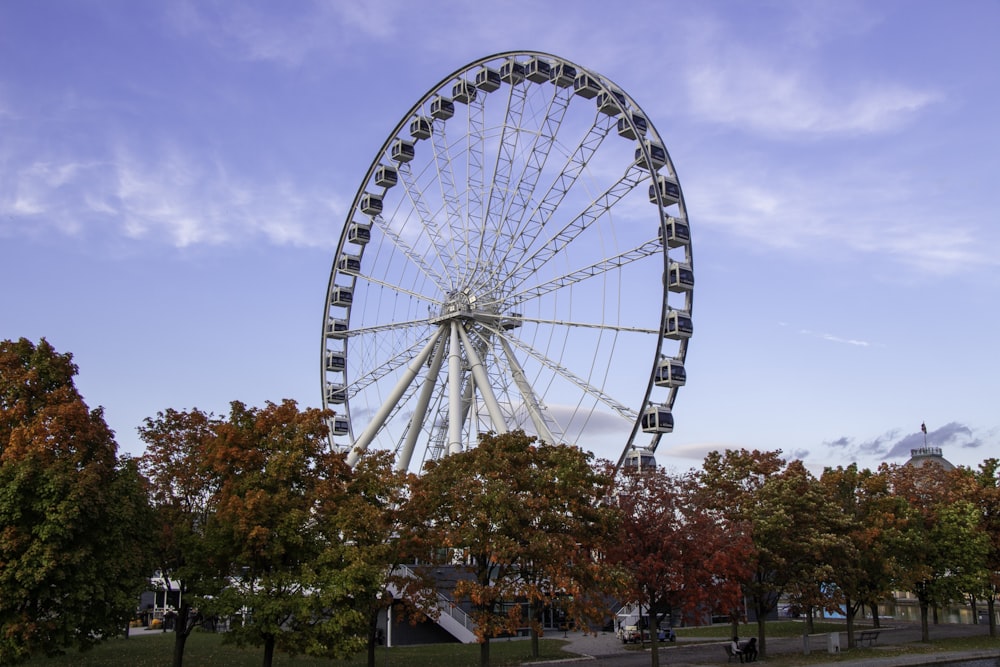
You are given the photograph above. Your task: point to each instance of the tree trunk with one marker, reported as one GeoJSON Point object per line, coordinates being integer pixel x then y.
{"type": "Point", "coordinates": [810, 615]}
{"type": "Point", "coordinates": [874, 609]}
{"type": "Point", "coordinates": [991, 610]}
{"type": "Point", "coordinates": [849, 611]}
{"type": "Point", "coordinates": [484, 653]}
{"type": "Point", "coordinates": [183, 625]}
{"type": "Point", "coordinates": [654, 653]}
{"type": "Point", "coordinates": [925, 632]}
{"type": "Point", "coordinates": [935, 608]}
{"type": "Point", "coordinates": [372, 636]}
{"type": "Point", "coordinates": [975, 611]}
{"type": "Point", "coordinates": [268, 650]}
{"type": "Point", "coordinates": [532, 615]}
{"type": "Point", "coordinates": [761, 635]}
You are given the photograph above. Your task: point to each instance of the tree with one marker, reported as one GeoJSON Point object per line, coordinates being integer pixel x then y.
{"type": "Point", "coordinates": [521, 518]}
{"type": "Point", "coordinates": [290, 580]}
{"type": "Point", "coordinates": [561, 569]}
{"type": "Point", "coordinates": [946, 551]}
{"type": "Point", "coordinates": [677, 556]}
{"type": "Point", "coordinates": [73, 545]}
{"type": "Point", "coordinates": [368, 519]}
{"type": "Point", "coordinates": [793, 527]}
{"type": "Point", "coordinates": [988, 500]}
{"type": "Point", "coordinates": [183, 492]}
{"type": "Point", "coordinates": [873, 515]}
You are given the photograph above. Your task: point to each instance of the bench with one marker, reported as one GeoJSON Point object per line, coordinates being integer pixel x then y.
{"type": "Point", "coordinates": [869, 636]}
{"type": "Point", "coordinates": [730, 654]}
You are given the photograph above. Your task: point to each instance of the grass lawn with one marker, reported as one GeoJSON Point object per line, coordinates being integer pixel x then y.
{"type": "Point", "coordinates": [206, 649]}
{"type": "Point", "coordinates": [884, 652]}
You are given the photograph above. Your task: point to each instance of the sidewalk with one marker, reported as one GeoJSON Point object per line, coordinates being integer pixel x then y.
{"type": "Point", "coordinates": [605, 649]}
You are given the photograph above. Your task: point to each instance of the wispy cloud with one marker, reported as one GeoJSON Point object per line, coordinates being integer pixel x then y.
{"type": "Point", "coordinates": [835, 339]}
{"type": "Point", "coordinates": [171, 199]}
{"type": "Point", "coordinates": [286, 34]}
{"type": "Point", "coordinates": [861, 210]}
{"type": "Point", "coordinates": [783, 92]}
{"type": "Point", "coordinates": [779, 102]}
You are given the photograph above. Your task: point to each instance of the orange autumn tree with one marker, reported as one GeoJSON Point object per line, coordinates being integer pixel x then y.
{"type": "Point", "coordinates": [677, 557]}
{"type": "Point", "coordinates": [74, 547]}
{"type": "Point", "coordinates": [369, 519]}
{"type": "Point", "coordinates": [522, 520]}
{"type": "Point", "coordinates": [291, 578]}
{"type": "Point", "coordinates": [794, 528]}
{"type": "Point", "coordinates": [183, 491]}
{"type": "Point", "coordinates": [867, 568]}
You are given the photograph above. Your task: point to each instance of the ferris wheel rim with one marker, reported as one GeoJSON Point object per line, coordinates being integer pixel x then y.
{"type": "Point", "coordinates": [651, 165]}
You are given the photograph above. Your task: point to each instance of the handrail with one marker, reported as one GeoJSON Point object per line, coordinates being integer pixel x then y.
{"type": "Point", "coordinates": [446, 604]}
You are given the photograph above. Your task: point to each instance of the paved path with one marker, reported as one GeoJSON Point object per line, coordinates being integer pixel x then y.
{"type": "Point", "coordinates": [605, 650]}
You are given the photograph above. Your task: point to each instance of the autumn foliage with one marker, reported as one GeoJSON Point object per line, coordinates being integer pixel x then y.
{"type": "Point", "coordinates": [73, 516]}
{"type": "Point", "coordinates": [274, 538]}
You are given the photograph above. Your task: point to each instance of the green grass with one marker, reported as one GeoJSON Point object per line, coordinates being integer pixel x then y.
{"type": "Point", "coordinates": [208, 650]}
{"type": "Point", "coordinates": [205, 649]}
{"type": "Point", "coordinates": [891, 651]}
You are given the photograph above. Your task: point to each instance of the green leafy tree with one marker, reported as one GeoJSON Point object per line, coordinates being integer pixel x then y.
{"type": "Point", "coordinates": [73, 540]}
{"type": "Point", "coordinates": [946, 552]}
{"type": "Point", "coordinates": [509, 510]}
{"type": "Point", "coordinates": [987, 496]}
{"type": "Point", "coordinates": [368, 520]}
{"type": "Point", "coordinates": [794, 529]}
{"type": "Point", "coordinates": [868, 567]}
{"type": "Point", "coordinates": [291, 579]}
{"type": "Point", "coordinates": [183, 491]}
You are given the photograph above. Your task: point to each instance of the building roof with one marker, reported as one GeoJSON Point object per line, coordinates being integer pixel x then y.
{"type": "Point", "coordinates": [922, 456]}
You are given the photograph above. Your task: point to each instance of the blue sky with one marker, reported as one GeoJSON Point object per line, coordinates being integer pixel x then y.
{"type": "Point", "coordinates": [174, 178]}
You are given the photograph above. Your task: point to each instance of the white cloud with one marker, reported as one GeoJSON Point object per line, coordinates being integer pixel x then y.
{"type": "Point", "coordinates": [253, 31]}
{"type": "Point", "coordinates": [835, 339]}
{"type": "Point", "coordinates": [861, 210]}
{"type": "Point", "coordinates": [780, 101]}
{"type": "Point", "coordinates": [172, 199]}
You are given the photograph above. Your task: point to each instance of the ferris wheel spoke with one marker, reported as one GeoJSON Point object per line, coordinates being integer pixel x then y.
{"type": "Point", "coordinates": [605, 398]}
{"type": "Point", "coordinates": [589, 325]}
{"type": "Point", "coordinates": [389, 326]}
{"type": "Point", "coordinates": [399, 289]}
{"type": "Point", "coordinates": [475, 183]}
{"type": "Point", "coordinates": [599, 207]}
{"type": "Point", "coordinates": [575, 164]}
{"type": "Point", "coordinates": [503, 167]}
{"type": "Point", "coordinates": [647, 249]}
{"type": "Point", "coordinates": [383, 369]}
{"type": "Point", "coordinates": [412, 255]}
{"type": "Point", "coordinates": [444, 252]}
{"type": "Point", "coordinates": [508, 225]}
{"type": "Point", "coordinates": [450, 196]}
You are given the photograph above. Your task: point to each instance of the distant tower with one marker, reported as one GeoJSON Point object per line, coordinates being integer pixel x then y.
{"type": "Point", "coordinates": [922, 456]}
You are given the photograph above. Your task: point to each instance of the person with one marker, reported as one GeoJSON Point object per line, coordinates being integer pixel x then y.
{"type": "Point", "coordinates": [750, 650]}
{"type": "Point", "coordinates": [737, 649]}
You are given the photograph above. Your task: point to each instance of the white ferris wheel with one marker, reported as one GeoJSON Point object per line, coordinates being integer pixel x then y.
{"type": "Point", "coordinates": [517, 256]}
